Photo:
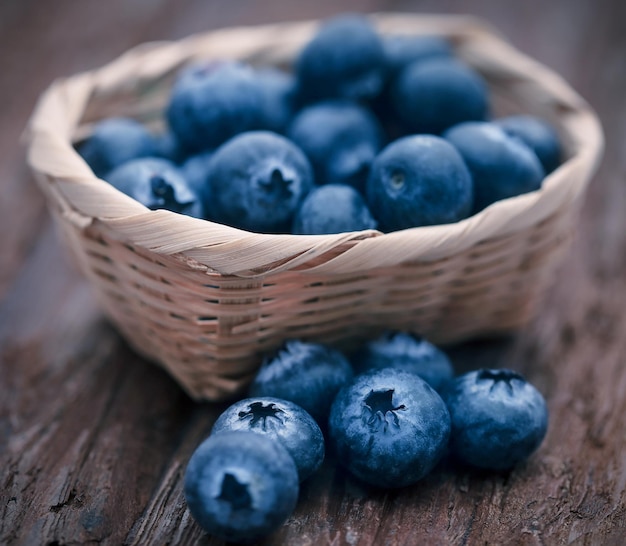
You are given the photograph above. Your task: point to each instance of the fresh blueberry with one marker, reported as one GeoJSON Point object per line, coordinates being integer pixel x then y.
{"type": "Point", "coordinates": [278, 91]}
{"type": "Point", "coordinates": [169, 147]}
{"type": "Point", "coordinates": [502, 166]}
{"type": "Point", "coordinates": [240, 486]}
{"type": "Point", "coordinates": [537, 134]}
{"type": "Point", "coordinates": [256, 181]}
{"type": "Point", "coordinates": [196, 170]}
{"type": "Point", "coordinates": [282, 421]}
{"type": "Point", "coordinates": [498, 418]}
{"type": "Point", "coordinates": [333, 208]}
{"type": "Point", "coordinates": [402, 50]}
{"type": "Point", "coordinates": [307, 374]}
{"type": "Point", "coordinates": [389, 428]}
{"type": "Point", "coordinates": [340, 138]}
{"type": "Point", "coordinates": [115, 141]}
{"type": "Point", "coordinates": [345, 59]}
{"type": "Point", "coordinates": [407, 352]}
{"type": "Point", "coordinates": [431, 96]}
{"type": "Point", "coordinates": [419, 180]}
{"type": "Point", "coordinates": [157, 184]}
{"type": "Point", "coordinates": [212, 102]}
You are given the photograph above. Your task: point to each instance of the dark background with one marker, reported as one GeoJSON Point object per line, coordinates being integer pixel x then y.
{"type": "Point", "coordinates": [93, 440]}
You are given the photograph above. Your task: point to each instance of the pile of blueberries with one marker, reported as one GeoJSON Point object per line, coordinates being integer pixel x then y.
{"type": "Point", "coordinates": [389, 412]}
{"type": "Point", "coordinates": [367, 131]}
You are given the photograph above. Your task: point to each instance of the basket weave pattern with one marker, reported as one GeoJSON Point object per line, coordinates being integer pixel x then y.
{"type": "Point", "coordinates": [205, 300]}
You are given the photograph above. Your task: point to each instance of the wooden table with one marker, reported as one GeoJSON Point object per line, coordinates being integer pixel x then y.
{"type": "Point", "coordinates": [94, 440]}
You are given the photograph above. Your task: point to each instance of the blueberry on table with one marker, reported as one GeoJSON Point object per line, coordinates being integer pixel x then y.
{"type": "Point", "coordinates": [407, 352]}
{"type": "Point", "coordinates": [282, 421]}
{"type": "Point", "coordinates": [157, 184]}
{"type": "Point", "coordinates": [389, 428]}
{"type": "Point", "coordinates": [308, 374]}
{"type": "Point", "coordinates": [256, 181]}
{"type": "Point", "coordinates": [498, 418]}
{"type": "Point", "coordinates": [241, 486]}
{"type": "Point", "coordinates": [340, 138]}
{"type": "Point", "coordinates": [538, 135]}
{"type": "Point", "coordinates": [115, 141]}
{"type": "Point", "coordinates": [345, 59]}
{"type": "Point", "coordinates": [502, 166]}
{"type": "Point", "coordinates": [333, 208]}
{"type": "Point", "coordinates": [419, 180]}
{"type": "Point", "coordinates": [212, 102]}
{"type": "Point", "coordinates": [431, 96]}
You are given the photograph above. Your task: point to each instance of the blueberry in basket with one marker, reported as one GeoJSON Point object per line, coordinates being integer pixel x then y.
{"type": "Point", "coordinates": [241, 486]}
{"type": "Point", "coordinates": [389, 428]}
{"type": "Point", "coordinates": [196, 170]}
{"type": "Point", "coordinates": [256, 181]}
{"type": "Point", "coordinates": [282, 421]}
{"type": "Point", "coordinates": [278, 94]}
{"type": "Point", "coordinates": [402, 50]}
{"type": "Point", "coordinates": [419, 180]}
{"type": "Point", "coordinates": [537, 134]}
{"type": "Point", "coordinates": [340, 138]}
{"type": "Point", "coordinates": [498, 418]}
{"type": "Point", "coordinates": [157, 184]}
{"type": "Point", "coordinates": [333, 208]}
{"type": "Point", "coordinates": [345, 59]}
{"type": "Point", "coordinates": [167, 146]}
{"type": "Point", "coordinates": [212, 102]}
{"type": "Point", "coordinates": [404, 351]}
{"type": "Point", "coordinates": [308, 374]}
{"type": "Point", "coordinates": [502, 166]}
{"type": "Point", "coordinates": [115, 141]}
{"type": "Point", "coordinates": [431, 96]}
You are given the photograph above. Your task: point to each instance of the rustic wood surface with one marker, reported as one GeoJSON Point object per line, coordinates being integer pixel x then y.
{"type": "Point", "coordinates": [94, 440]}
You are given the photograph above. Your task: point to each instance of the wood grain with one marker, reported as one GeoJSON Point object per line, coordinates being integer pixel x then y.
{"type": "Point", "coordinates": [94, 440]}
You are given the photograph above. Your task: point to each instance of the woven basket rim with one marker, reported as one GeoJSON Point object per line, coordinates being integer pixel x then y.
{"type": "Point", "coordinates": [84, 199]}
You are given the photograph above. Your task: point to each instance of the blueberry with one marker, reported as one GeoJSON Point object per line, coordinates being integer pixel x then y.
{"type": "Point", "coordinates": [419, 180]}
{"type": "Point", "coordinates": [402, 50]}
{"type": "Point", "coordinates": [167, 146]}
{"type": "Point", "coordinates": [498, 418]}
{"type": "Point", "coordinates": [502, 166]}
{"type": "Point", "coordinates": [431, 96]}
{"type": "Point", "coordinates": [115, 141]}
{"type": "Point", "coordinates": [212, 102]}
{"type": "Point", "coordinates": [240, 486]}
{"type": "Point", "coordinates": [278, 91]}
{"type": "Point", "coordinates": [196, 170]}
{"type": "Point", "coordinates": [407, 352]}
{"type": "Point", "coordinates": [537, 134]}
{"type": "Point", "coordinates": [257, 181]}
{"type": "Point", "coordinates": [345, 59]}
{"type": "Point", "coordinates": [333, 208]}
{"type": "Point", "coordinates": [308, 374]}
{"type": "Point", "coordinates": [282, 421]}
{"type": "Point", "coordinates": [157, 184]}
{"type": "Point", "coordinates": [340, 138]}
{"type": "Point", "coordinates": [389, 428]}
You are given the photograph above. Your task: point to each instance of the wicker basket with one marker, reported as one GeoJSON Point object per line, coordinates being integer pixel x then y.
{"type": "Point", "coordinates": [206, 301]}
